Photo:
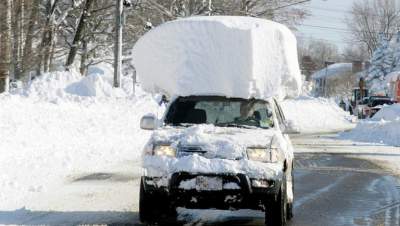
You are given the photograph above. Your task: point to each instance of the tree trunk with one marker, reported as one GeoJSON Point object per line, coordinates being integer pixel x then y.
{"type": "Point", "coordinates": [84, 57]}
{"type": "Point", "coordinates": [16, 40]}
{"type": "Point", "coordinates": [48, 49]}
{"type": "Point", "coordinates": [5, 25]}
{"type": "Point", "coordinates": [47, 37]}
{"type": "Point", "coordinates": [28, 60]}
{"type": "Point", "coordinates": [79, 33]}
{"type": "Point", "coordinates": [118, 44]}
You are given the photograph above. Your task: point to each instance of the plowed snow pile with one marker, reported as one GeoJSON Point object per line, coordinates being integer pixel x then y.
{"type": "Point", "coordinates": [317, 115]}
{"type": "Point", "coordinates": [64, 124]}
{"type": "Point", "coordinates": [383, 128]}
{"type": "Point", "coordinates": [231, 56]}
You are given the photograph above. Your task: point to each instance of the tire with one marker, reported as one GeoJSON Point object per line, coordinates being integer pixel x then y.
{"type": "Point", "coordinates": [290, 207]}
{"type": "Point", "coordinates": [289, 214]}
{"type": "Point", "coordinates": [155, 209]}
{"type": "Point", "coordinates": [276, 211]}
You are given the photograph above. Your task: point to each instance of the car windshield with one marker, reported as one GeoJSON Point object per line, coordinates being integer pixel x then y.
{"type": "Point", "coordinates": [220, 111]}
{"type": "Point", "coordinates": [380, 101]}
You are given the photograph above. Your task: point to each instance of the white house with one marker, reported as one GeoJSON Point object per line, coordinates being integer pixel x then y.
{"type": "Point", "coordinates": [337, 79]}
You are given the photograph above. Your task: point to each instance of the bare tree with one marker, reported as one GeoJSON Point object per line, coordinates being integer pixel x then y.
{"type": "Point", "coordinates": [355, 52]}
{"type": "Point", "coordinates": [369, 18]}
{"type": "Point", "coordinates": [28, 58]}
{"type": "Point", "coordinates": [79, 33]}
{"type": "Point", "coordinates": [320, 51]}
{"type": "Point", "coordinates": [5, 43]}
{"type": "Point", "coordinates": [48, 33]}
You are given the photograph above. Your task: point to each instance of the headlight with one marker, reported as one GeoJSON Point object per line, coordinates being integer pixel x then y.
{"type": "Point", "coordinates": [262, 154]}
{"type": "Point", "coordinates": [164, 150]}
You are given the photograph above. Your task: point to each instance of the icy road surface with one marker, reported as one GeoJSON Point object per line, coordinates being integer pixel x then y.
{"type": "Point", "coordinates": [332, 187]}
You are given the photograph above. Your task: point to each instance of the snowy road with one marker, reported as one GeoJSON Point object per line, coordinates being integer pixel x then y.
{"type": "Point", "coordinates": [331, 188]}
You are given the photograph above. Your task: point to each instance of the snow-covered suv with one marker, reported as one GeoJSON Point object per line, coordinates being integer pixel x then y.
{"type": "Point", "coordinates": [218, 152]}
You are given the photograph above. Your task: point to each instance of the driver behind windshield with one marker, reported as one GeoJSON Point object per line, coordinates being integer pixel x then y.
{"type": "Point", "coordinates": [250, 114]}
{"type": "Point", "coordinates": [220, 112]}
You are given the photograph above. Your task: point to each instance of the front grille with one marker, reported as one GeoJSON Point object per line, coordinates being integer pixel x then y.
{"type": "Point", "coordinates": [242, 182]}
{"type": "Point", "coordinates": [190, 150]}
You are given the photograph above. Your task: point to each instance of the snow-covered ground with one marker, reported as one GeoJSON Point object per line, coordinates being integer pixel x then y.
{"type": "Point", "coordinates": [386, 156]}
{"type": "Point", "coordinates": [62, 126]}
{"type": "Point", "coordinates": [317, 115]}
{"type": "Point", "coordinates": [383, 128]}
{"type": "Point", "coordinates": [66, 138]}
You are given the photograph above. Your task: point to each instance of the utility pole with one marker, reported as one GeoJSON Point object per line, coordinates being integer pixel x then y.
{"type": "Point", "coordinates": [118, 44]}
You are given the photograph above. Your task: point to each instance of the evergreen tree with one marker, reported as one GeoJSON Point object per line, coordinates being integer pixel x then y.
{"type": "Point", "coordinates": [381, 64]}
{"type": "Point", "coordinates": [396, 54]}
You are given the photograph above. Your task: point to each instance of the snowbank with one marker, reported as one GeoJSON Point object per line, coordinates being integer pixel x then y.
{"type": "Point", "coordinates": [71, 86]}
{"type": "Point", "coordinates": [61, 125]}
{"type": "Point", "coordinates": [383, 128]}
{"type": "Point", "coordinates": [233, 56]}
{"type": "Point", "coordinates": [317, 115]}
{"type": "Point", "coordinates": [334, 70]}
{"type": "Point", "coordinates": [388, 113]}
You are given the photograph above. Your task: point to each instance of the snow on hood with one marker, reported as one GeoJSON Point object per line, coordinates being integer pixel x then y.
{"type": "Point", "coordinates": [159, 166]}
{"type": "Point", "coordinates": [226, 150]}
{"type": "Point", "coordinates": [219, 142]}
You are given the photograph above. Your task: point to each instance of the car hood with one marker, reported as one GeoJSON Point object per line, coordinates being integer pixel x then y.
{"type": "Point", "coordinates": [213, 142]}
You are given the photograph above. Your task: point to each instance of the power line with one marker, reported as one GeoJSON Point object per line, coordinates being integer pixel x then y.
{"type": "Point", "coordinates": [292, 4]}
{"type": "Point", "coordinates": [326, 27]}
{"type": "Point", "coordinates": [326, 18]}
{"type": "Point", "coordinates": [329, 10]}
{"type": "Point", "coordinates": [336, 42]}
{"type": "Point", "coordinates": [344, 30]}
{"type": "Point", "coordinates": [343, 11]}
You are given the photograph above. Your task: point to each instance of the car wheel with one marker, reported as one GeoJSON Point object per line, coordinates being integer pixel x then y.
{"type": "Point", "coordinates": [290, 205]}
{"type": "Point", "coordinates": [154, 209]}
{"type": "Point", "coordinates": [276, 211]}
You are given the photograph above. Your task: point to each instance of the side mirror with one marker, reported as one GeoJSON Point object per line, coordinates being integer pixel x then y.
{"type": "Point", "coordinates": [148, 122]}
{"type": "Point", "coordinates": [291, 128]}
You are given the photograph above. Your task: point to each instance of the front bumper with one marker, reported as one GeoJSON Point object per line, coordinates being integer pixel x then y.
{"type": "Point", "coordinates": [250, 193]}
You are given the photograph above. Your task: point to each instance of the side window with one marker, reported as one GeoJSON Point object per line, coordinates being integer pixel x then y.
{"type": "Point", "coordinates": [279, 115]}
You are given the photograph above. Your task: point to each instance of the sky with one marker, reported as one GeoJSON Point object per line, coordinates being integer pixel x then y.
{"type": "Point", "coordinates": [327, 21]}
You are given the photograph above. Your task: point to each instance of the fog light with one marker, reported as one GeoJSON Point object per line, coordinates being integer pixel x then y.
{"type": "Point", "coordinates": [262, 183]}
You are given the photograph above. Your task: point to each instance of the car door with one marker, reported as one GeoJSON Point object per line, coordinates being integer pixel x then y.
{"type": "Point", "coordinates": [289, 161]}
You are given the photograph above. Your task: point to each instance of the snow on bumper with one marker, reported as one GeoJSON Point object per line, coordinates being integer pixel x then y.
{"type": "Point", "coordinates": [161, 166]}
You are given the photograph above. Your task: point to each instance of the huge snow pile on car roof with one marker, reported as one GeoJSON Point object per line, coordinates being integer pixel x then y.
{"type": "Point", "coordinates": [232, 56]}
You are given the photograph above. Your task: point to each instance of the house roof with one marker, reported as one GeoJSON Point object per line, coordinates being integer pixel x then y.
{"type": "Point", "coordinates": [334, 70]}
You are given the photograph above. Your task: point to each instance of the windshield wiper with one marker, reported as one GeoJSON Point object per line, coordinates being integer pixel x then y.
{"type": "Point", "coordinates": [236, 125]}
{"type": "Point", "coordinates": [181, 124]}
